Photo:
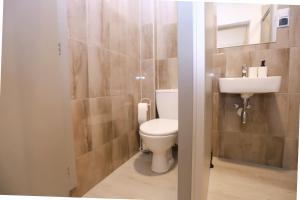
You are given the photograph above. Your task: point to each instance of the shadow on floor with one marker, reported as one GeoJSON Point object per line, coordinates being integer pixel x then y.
{"type": "Point", "coordinates": [142, 163]}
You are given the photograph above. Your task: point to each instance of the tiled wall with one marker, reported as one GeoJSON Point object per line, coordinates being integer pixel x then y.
{"type": "Point", "coordinates": [158, 47]}
{"type": "Point", "coordinates": [270, 136]}
{"type": "Point", "coordinates": [104, 42]}
{"type": "Point", "coordinates": [166, 45]}
{"type": "Point", "coordinates": [148, 52]}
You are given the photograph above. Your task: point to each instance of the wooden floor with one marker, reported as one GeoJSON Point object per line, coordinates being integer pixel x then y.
{"type": "Point", "coordinates": [135, 180]}
{"type": "Point", "coordinates": [240, 181]}
{"type": "Point", "coordinates": [228, 181]}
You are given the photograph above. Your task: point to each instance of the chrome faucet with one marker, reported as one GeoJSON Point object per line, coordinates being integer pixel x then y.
{"type": "Point", "coordinates": [244, 71]}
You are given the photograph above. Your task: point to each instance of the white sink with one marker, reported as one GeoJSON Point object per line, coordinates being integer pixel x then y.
{"type": "Point", "coordinates": [250, 86]}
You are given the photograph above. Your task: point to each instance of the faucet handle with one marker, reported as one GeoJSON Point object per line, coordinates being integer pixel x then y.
{"type": "Point", "coordinates": [244, 71]}
{"type": "Point", "coordinates": [245, 67]}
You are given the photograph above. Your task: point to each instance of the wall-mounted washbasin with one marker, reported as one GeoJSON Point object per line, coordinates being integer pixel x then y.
{"type": "Point", "coordinates": [245, 85]}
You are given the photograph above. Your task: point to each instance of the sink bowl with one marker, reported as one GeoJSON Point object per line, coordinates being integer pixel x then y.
{"type": "Point", "coordinates": [250, 85]}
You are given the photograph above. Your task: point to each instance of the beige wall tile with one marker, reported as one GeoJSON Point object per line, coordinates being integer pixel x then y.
{"type": "Point", "coordinates": [147, 40]}
{"type": "Point", "coordinates": [215, 111]}
{"type": "Point", "coordinates": [167, 73]}
{"type": "Point", "coordinates": [215, 143]}
{"type": "Point", "coordinates": [219, 61]}
{"type": "Point", "coordinates": [277, 114]}
{"type": "Point", "coordinates": [133, 42]}
{"type": "Point", "coordinates": [133, 11]}
{"type": "Point", "coordinates": [215, 82]}
{"type": "Point", "coordinates": [96, 22]}
{"type": "Point", "coordinates": [219, 69]}
{"type": "Point", "coordinates": [235, 60]}
{"type": "Point", "coordinates": [290, 158]}
{"type": "Point", "coordinates": [277, 61]}
{"type": "Point", "coordinates": [117, 72]}
{"type": "Point", "coordinates": [147, 8]}
{"type": "Point", "coordinates": [293, 116]}
{"type": "Point", "coordinates": [133, 141]}
{"type": "Point", "coordinates": [229, 120]}
{"type": "Point", "coordinates": [231, 145]}
{"type": "Point", "coordinates": [118, 116]}
{"type": "Point", "coordinates": [79, 69]}
{"type": "Point", "coordinates": [166, 12]}
{"type": "Point", "coordinates": [148, 71]}
{"type": "Point", "coordinates": [120, 151]}
{"type": "Point", "coordinates": [82, 138]}
{"type": "Point", "coordinates": [282, 39]}
{"type": "Point", "coordinates": [274, 154]}
{"type": "Point", "coordinates": [253, 148]}
{"type": "Point", "coordinates": [262, 46]}
{"type": "Point", "coordinates": [253, 142]}
{"type": "Point", "coordinates": [105, 56]}
{"type": "Point", "coordinates": [160, 43]}
{"type": "Point", "coordinates": [123, 27]}
{"type": "Point", "coordinates": [166, 45]}
{"type": "Point", "coordinates": [99, 72]}
{"type": "Point", "coordinates": [132, 70]}
{"type": "Point", "coordinates": [115, 26]}
{"type": "Point", "coordinates": [85, 169]}
{"type": "Point", "coordinates": [99, 21]}
{"type": "Point", "coordinates": [103, 161]}
{"type": "Point", "coordinates": [129, 115]}
{"type": "Point", "coordinates": [77, 20]}
{"type": "Point", "coordinates": [294, 71]}
{"type": "Point", "coordinates": [93, 167]}
{"type": "Point", "coordinates": [100, 120]}
{"type": "Point", "coordinates": [294, 31]}
{"type": "Point", "coordinates": [170, 31]}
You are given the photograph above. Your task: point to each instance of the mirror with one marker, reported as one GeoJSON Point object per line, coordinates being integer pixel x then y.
{"type": "Point", "coordinates": [244, 24]}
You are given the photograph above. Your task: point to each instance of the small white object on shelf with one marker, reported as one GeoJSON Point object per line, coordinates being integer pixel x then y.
{"type": "Point", "coordinates": [252, 72]}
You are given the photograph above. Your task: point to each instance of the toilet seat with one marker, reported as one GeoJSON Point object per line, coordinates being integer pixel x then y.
{"type": "Point", "coordinates": [159, 127]}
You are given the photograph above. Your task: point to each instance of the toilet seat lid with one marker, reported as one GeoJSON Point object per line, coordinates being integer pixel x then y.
{"type": "Point", "coordinates": [159, 127]}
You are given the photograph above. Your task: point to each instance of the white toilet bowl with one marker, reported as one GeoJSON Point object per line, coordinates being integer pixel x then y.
{"type": "Point", "coordinates": [159, 135]}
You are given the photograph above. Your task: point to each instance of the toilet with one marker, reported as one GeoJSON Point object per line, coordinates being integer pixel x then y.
{"type": "Point", "coordinates": [159, 135]}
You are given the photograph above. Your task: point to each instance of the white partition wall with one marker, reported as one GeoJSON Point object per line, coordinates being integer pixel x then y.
{"type": "Point", "coordinates": [197, 42]}
{"type": "Point", "coordinates": [1, 25]}
{"type": "Point", "coordinates": [36, 150]}
{"type": "Point", "coordinates": [185, 110]}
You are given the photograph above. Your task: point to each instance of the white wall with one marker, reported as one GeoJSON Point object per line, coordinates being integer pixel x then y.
{"type": "Point", "coordinates": [36, 149]}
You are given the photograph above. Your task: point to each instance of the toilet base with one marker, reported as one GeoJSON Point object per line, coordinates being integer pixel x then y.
{"type": "Point", "coordinates": [162, 161]}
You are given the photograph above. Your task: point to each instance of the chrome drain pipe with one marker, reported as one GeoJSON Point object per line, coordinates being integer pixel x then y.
{"type": "Point", "coordinates": [244, 111]}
